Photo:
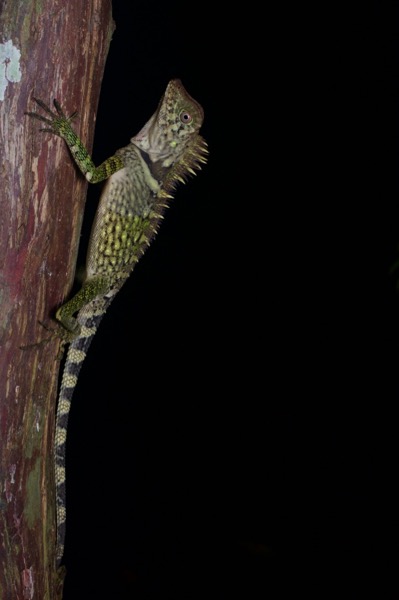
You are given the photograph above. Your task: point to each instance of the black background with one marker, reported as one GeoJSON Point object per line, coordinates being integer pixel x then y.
{"type": "Point", "coordinates": [233, 432]}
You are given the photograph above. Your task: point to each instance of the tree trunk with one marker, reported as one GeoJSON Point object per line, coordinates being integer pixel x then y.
{"type": "Point", "coordinates": [51, 49]}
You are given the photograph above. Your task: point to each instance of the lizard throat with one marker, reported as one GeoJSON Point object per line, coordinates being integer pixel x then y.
{"type": "Point", "coordinates": [161, 145]}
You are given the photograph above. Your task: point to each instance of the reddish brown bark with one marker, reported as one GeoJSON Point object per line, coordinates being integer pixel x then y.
{"type": "Point", "coordinates": [63, 48]}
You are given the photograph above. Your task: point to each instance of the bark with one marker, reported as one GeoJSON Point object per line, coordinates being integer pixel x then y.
{"type": "Point", "coordinates": [50, 49]}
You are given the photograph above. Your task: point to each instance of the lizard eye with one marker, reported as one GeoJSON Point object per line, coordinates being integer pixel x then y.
{"type": "Point", "coordinates": [185, 117]}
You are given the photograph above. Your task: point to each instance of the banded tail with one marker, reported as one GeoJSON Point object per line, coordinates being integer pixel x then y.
{"type": "Point", "coordinates": [88, 320]}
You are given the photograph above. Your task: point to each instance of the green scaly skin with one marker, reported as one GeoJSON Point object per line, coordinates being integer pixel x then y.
{"type": "Point", "coordinates": [140, 180]}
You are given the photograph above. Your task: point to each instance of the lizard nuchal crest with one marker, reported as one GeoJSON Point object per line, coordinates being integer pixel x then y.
{"type": "Point", "coordinates": [141, 178]}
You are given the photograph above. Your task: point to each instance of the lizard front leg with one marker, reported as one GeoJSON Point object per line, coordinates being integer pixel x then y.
{"type": "Point", "coordinates": [59, 124]}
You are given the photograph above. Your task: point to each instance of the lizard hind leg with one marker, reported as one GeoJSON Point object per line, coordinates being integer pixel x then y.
{"type": "Point", "coordinates": [54, 333]}
{"type": "Point", "coordinates": [65, 314]}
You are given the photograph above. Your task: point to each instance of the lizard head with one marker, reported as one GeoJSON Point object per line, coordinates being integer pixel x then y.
{"type": "Point", "coordinates": [172, 128]}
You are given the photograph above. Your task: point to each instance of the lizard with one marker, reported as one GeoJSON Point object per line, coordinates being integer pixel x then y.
{"type": "Point", "coordinates": [140, 181]}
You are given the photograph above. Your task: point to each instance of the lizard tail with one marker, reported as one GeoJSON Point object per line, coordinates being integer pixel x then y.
{"type": "Point", "coordinates": [75, 356]}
